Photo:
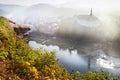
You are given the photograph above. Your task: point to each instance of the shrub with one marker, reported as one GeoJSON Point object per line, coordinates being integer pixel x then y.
{"type": "Point", "coordinates": [22, 68]}
{"type": "Point", "coordinates": [93, 76]}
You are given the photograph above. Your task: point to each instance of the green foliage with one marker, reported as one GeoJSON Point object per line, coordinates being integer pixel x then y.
{"type": "Point", "coordinates": [44, 58]}
{"type": "Point", "coordinates": [4, 54]}
{"type": "Point", "coordinates": [2, 58]}
{"type": "Point", "coordinates": [102, 75]}
{"type": "Point", "coordinates": [38, 62]}
{"type": "Point", "coordinates": [93, 76]}
{"type": "Point", "coordinates": [109, 76]}
{"type": "Point", "coordinates": [7, 35]}
{"type": "Point", "coordinates": [22, 68]}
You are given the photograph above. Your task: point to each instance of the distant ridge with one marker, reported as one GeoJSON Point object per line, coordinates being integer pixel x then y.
{"type": "Point", "coordinates": [9, 7]}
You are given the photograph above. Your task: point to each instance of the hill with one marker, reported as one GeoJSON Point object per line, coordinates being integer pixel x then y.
{"type": "Point", "coordinates": [8, 8]}
{"type": "Point", "coordinates": [19, 62]}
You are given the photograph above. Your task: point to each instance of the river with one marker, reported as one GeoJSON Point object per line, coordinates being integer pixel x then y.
{"type": "Point", "coordinates": [79, 55]}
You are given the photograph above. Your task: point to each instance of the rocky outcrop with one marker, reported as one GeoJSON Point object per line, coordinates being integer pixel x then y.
{"type": "Point", "coordinates": [21, 31]}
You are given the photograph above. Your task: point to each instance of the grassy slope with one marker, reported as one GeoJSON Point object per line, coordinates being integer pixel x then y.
{"type": "Point", "coordinates": [19, 61]}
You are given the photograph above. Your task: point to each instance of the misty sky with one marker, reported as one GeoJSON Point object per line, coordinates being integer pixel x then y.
{"type": "Point", "coordinates": [99, 4]}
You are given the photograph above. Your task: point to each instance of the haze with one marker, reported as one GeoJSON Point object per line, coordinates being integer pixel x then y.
{"type": "Point", "coordinates": [98, 4]}
{"type": "Point", "coordinates": [101, 9]}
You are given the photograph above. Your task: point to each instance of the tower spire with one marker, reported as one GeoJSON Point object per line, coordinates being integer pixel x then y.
{"type": "Point", "coordinates": [91, 12]}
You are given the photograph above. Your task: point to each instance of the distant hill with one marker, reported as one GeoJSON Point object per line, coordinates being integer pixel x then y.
{"type": "Point", "coordinates": [50, 10]}
{"type": "Point", "coordinates": [7, 8]}
{"type": "Point", "coordinates": [41, 10]}
{"type": "Point", "coordinates": [39, 6]}
{"type": "Point", "coordinates": [2, 12]}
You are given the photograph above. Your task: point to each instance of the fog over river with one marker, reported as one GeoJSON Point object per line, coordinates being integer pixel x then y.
{"type": "Point", "coordinates": [85, 37]}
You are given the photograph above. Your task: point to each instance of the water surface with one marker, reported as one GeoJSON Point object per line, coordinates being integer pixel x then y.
{"type": "Point", "coordinates": [76, 55]}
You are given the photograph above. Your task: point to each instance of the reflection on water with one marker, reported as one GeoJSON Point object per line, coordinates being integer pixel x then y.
{"type": "Point", "coordinates": [105, 64]}
{"type": "Point", "coordinates": [72, 60]}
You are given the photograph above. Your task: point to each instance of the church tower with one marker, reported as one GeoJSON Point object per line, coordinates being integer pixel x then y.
{"type": "Point", "coordinates": [91, 12]}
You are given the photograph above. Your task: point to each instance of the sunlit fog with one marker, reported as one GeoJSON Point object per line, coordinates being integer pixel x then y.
{"type": "Point", "coordinates": [86, 31]}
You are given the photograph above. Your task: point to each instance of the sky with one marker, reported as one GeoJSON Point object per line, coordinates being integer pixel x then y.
{"type": "Point", "coordinates": [30, 2]}
{"type": "Point", "coordinates": [99, 4]}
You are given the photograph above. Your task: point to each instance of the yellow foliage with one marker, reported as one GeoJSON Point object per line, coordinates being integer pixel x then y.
{"type": "Point", "coordinates": [7, 35]}
{"type": "Point", "coordinates": [34, 72]}
{"type": "Point", "coordinates": [27, 63]}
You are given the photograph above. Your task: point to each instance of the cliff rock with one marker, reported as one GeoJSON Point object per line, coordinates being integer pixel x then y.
{"type": "Point", "coordinates": [21, 31]}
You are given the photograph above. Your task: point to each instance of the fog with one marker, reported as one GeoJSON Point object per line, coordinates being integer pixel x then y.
{"type": "Point", "coordinates": [63, 19]}
{"type": "Point", "coordinates": [69, 26]}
